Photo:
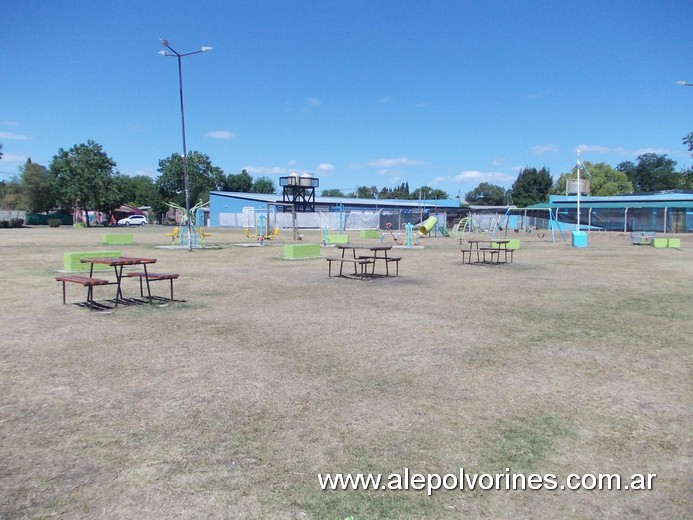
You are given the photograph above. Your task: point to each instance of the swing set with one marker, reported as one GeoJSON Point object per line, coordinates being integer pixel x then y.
{"type": "Point", "coordinates": [533, 221]}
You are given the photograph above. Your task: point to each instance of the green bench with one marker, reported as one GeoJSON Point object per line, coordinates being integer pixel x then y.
{"type": "Point", "coordinates": [118, 239]}
{"type": "Point", "coordinates": [71, 261]}
{"type": "Point", "coordinates": [300, 251]}
{"type": "Point", "coordinates": [338, 239]}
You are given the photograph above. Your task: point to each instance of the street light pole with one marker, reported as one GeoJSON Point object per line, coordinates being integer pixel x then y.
{"type": "Point", "coordinates": [186, 181]}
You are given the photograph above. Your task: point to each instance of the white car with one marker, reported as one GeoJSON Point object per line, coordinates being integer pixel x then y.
{"type": "Point", "coordinates": [133, 220]}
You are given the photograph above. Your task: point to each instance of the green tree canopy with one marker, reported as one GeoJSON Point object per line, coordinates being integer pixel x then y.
{"type": "Point", "coordinates": [36, 188]}
{"type": "Point", "coordinates": [486, 194]}
{"type": "Point", "coordinates": [263, 185]}
{"type": "Point", "coordinates": [203, 177]}
{"type": "Point", "coordinates": [362, 192]}
{"type": "Point", "coordinates": [653, 172]}
{"type": "Point", "coordinates": [531, 187]}
{"type": "Point", "coordinates": [11, 197]}
{"type": "Point", "coordinates": [83, 177]}
{"type": "Point", "coordinates": [332, 193]}
{"type": "Point", "coordinates": [140, 190]}
{"type": "Point", "coordinates": [399, 192]}
{"type": "Point", "coordinates": [688, 140]}
{"type": "Point", "coordinates": [605, 180]}
{"type": "Point", "coordinates": [241, 182]}
{"type": "Point", "coordinates": [428, 193]}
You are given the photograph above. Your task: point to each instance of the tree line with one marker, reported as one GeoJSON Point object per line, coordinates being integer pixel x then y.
{"type": "Point", "coordinates": [652, 172]}
{"type": "Point", "coordinates": [85, 178]}
{"type": "Point", "coordinates": [400, 192]}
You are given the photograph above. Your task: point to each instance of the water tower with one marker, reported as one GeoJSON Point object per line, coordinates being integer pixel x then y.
{"type": "Point", "coordinates": [299, 191]}
{"type": "Point", "coordinates": [571, 187]}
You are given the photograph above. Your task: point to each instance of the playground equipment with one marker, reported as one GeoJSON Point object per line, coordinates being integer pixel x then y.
{"type": "Point", "coordinates": [186, 232]}
{"type": "Point", "coordinates": [409, 238]}
{"type": "Point", "coordinates": [262, 232]}
{"type": "Point", "coordinates": [203, 235]}
{"type": "Point", "coordinates": [175, 233]}
{"type": "Point", "coordinates": [533, 221]}
{"type": "Point", "coordinates": [466, 225]}
{"type": "Point", "coordinates": [262, 236]}
{"type": "Point", "coordinates": [427, 225]}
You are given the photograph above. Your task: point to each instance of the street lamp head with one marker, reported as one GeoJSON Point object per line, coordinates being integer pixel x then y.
{"type": "Point", "coordinates": [163, 53]}
{"type": "Point", "coordinates": [163, 42]}
{"type": "Point", "coordinates": [684, 83]}
{"type": "Point", "coordinates": [206, 48]}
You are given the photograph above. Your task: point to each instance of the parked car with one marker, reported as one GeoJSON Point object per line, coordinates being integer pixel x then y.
{"type": "Point", "coordinates": [133, 220]}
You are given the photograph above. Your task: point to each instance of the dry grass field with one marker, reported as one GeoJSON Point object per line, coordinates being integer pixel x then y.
{"type": "Point", "coordinates": [229, 405]}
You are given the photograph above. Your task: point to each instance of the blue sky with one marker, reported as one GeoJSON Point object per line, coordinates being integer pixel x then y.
{"type": "Point", "coordinates": [443, 93]}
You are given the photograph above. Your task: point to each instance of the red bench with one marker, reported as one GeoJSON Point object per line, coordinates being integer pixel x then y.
{"type": "Point", "coordinates": [153, 277]}
{"type": "Point", "coordinates": [84, 281]}
{"type": "Point", "coordinates": [363, 262]}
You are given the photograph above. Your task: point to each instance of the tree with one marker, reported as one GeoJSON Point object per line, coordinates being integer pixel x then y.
{"type": "Point", "coordinates": [362, 192]}
{"type": "Point", "coordinates": [531, 187]}
{"type": "Point", "coordinates": [332, 193]}
{"type": "Point", "coordinates": [399, 192]}
{"type": "Point", "coordinates": [203, 177]}
{"type": "Point", "coordinates": [0, 150]}
{"type": "Point", "coordinates": [36, 188]}
{"type": "Point", "coordinates": [242, 182]}
{"type": "Point", "coordinates": [83, 178]}
{"type": "Point", "coordinates": [428, 193]}
{"type": "Point", "coordinates": [604, 179]}
{"type": "Point", "coordinates": [654, 172]}
{"type": "Point", "coordinates": [141, 191]}
{"type": "Point", "coordinates": [486, 194]}
{"type": "Point", "coordinates": [11, 195]}
{"type": "Point", "coordinates": [688, 140]}
{"type": "Point", "coordinates": [263, 185]}
{"type": "Point", "coordinates": [688, 175]}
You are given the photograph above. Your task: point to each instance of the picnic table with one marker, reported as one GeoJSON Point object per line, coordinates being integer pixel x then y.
{"type": "Point", "coordinates": [495, 248]}
{"type": "Point", "coordinates": [375, 255]}
{"type": "Point", "coordinates": [118, 263]}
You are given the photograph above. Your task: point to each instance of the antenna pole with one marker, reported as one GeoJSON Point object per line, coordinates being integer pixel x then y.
{"type": "Point", "coordinates": [579, 189]}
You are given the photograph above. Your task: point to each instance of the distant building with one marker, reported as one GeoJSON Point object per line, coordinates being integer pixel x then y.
{"type": "Point", "coordinates": [665, 212]}
{"type": "Point", "coordinates": [233, 209]}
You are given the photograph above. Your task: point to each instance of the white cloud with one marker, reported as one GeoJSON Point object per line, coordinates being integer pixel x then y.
{"type": "Point", "coordinates": [620, 150]}
{"type": "Point", "coordinates": [16, 137]}
{"type": "Point", "coordinates": [476, 176]}
{"type": "Point", "coordinates": [641, 151]}
{"type": "Point", "coordinates": [13, 158]}
{"type": "Point", "coordinates": [314, 102]}
{"type": "Point", "coordinates": [385, 100]}
{"type": "Point", "coordinates": [325, 167]}
{"type": "Point", "coordinates": [10, 123]}
{"type": "Point", "coordinates": [264, 170]}
{"type": "Point", "coordinates": [396, 161]}
{"type": "Point", "coordinates": [220, 134]}
{"type": "Point", "coordinates": [541, 149]}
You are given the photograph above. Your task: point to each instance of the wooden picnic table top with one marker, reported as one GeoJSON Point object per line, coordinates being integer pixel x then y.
{"type": "Point", "coordinates": [118, 260]}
